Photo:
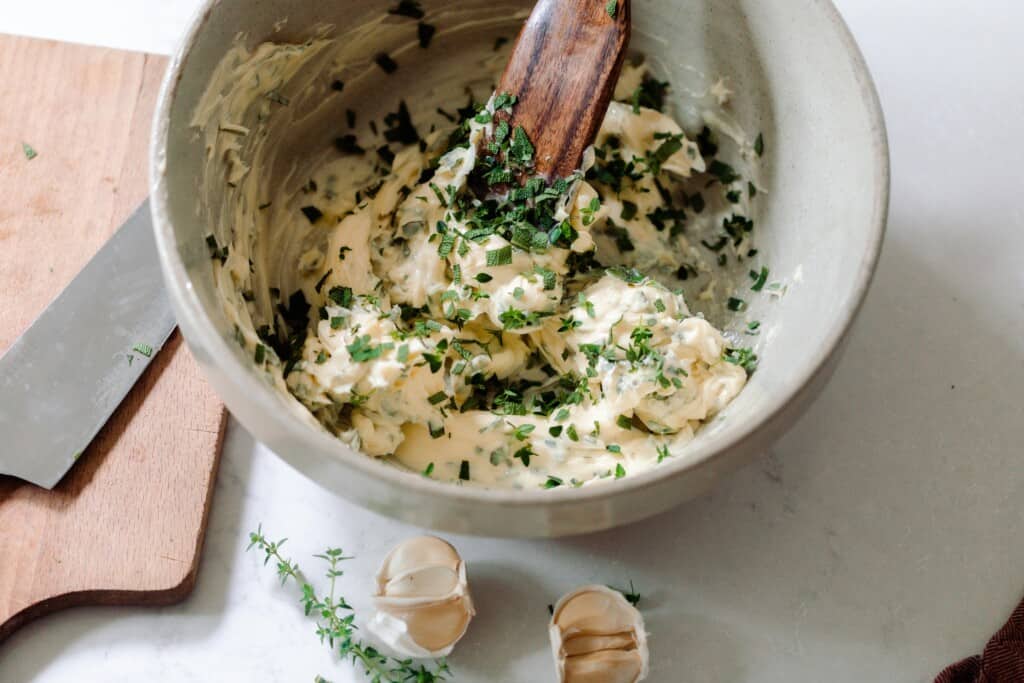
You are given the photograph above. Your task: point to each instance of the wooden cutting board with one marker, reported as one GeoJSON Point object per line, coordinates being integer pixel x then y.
{"type": "Point", "coordinates": [126, 525]}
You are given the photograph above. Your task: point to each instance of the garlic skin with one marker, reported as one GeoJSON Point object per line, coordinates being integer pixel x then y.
{"type": "Point", "coordinates": [422, 599]}
{"type": "Point", "coordinates": [598, 637]}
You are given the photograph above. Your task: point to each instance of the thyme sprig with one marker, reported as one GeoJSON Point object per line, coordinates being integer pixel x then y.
{"type": "Point", "coordinates": [335, 618]}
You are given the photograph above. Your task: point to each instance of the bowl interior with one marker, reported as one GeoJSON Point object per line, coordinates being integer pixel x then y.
{"type": "Point", "coordinates": [797, 78]}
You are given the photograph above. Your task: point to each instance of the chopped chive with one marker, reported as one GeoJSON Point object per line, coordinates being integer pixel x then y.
{"type": "Point", "coordinates": [143, 349]}
{"type": "Point", "coordinates": [620, 471]}
{"type": "Point", "coordinates": [612, 8]}
{"type": "Point", "coordinates": [737, 304]}
{"type": "Point", "coordinates": [30, 152]}
{"type": "Point", "coordinates": [759, 279]}
{"type": "Point", "coordinates": [429, 470]}
{"type": "Point", "coordinates": [759, 145]}
{"type": "Point", "coordinates": [624, 421]}
{"type": "Point", "coordinates": [552, 482]}
{"type": "Point", "coordinates": [261, 354]}
{"type": "Point", "coordinates": [439, 397]}
{"type": "Point", "coordinates": [613, 448]}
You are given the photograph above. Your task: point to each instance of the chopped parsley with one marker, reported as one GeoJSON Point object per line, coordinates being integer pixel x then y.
{"type": "Point", "coordinates": [29, 151]}
{"type": "Point", "coordinates": [612, 8]}
{"type": "Point", "coordinates": [620, 471]}
{"type": "Point", "coordinates": [552, 483]}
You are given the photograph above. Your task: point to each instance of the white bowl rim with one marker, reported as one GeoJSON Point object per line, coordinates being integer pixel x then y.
{"type": "Point", "coordinates": [203, 333]}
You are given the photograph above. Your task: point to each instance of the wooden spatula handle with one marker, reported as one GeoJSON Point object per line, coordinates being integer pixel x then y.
{"type": "Point", "coordinates": [563, 70]}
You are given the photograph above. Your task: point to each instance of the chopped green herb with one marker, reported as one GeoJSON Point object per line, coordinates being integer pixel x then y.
{"type": "Point", "coordinates": [624, 421]}
{"type": "Point", "coordinates": [341, 295]}
{"type": "Point", "coordinates": [429, 470]}
{"type": "Point", "coordinates": [663, 453]}
{"type": "Point", "coordinates": [745, 358]}
{"type": "Point", "coordinates": [737, 304]}
{"type": "Point", "coordinates": [620, 471]}
{"type": "Point", "coordinates": [439, 397]}
{"type": "Point", "coordinates": [571, 433]}
{"type": "Point", "coordinates": [760, 279]}
{"type": "Point", "coordinates": [385, 62]}
{"type": "Point", "coordinates": [612, 8]}
{"type": "Point", "coordinates": [499, 257]}
{"type": "Point", "coordinates": [464, 471]}
{"type": "Point", "coordinates": [629, 210]}
{"type": "Point", "coordinates": [29, 151]}
{"type": "Point", "coordinates": [425, 32]}
{"type": "Point", "coordinates": [552, 482]}
{"type": "Point", "coordinates": [143, 350]}
{"type": "Point", "coordinates": [759, 145]}
{"type": "Point", "coordinates": [260, 355]}
{"type": "Point", "coordinates": [723, 172]}
{"type": "Point", "coordinates": [362, 349]}
{"type": "Point", "coordinates": [347, 144]}
{"type": "Point", "coordinates": [312, 213]}
{"type": "Point", "coordinates": [523, 431]}
{"type": "Point", "coordinates": [408, 8]}
{"type": "Point", "coordinates": [613, 448]}
{"type": "Point", "coordinates": [444, 249]}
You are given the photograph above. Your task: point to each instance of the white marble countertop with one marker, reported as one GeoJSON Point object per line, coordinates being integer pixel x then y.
{"type": "Point", "coordinates": [879, 541]}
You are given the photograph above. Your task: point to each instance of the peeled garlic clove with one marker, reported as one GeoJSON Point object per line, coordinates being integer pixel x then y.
{"type": "Point", "coordinates": [598, 637]}
{"type": "Point", "coordinates": [422, 599]}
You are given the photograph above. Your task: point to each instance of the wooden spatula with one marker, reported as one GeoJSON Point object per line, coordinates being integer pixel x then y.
{"type": "Point", "coordinates": [564, 68]}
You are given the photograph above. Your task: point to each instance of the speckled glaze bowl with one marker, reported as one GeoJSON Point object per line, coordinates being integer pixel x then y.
{"type": "Point", "coordinates": [798, 77]}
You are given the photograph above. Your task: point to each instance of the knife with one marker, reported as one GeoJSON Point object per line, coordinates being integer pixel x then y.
{"type": "Point", "coordinates": [66, 375]}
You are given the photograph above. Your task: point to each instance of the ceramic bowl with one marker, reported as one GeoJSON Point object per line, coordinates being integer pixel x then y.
{"type": "Point", "coordinates": [798, 77]}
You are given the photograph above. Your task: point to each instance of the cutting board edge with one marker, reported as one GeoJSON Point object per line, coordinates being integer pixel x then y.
{"type": "Point", "coordinates": [178, 590]}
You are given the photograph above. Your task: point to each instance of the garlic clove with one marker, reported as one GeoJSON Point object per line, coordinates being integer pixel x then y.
{"type": "Point", "coordinates": [422, 599]}
{"type": "Point", "coordinates": [432, 581]}
{"type": "Point", "coordinates": [610, 666]}
{"type": "Point", "coordinates": [598, 637]}
{"type": "Point", "coordinates": [587, 643]}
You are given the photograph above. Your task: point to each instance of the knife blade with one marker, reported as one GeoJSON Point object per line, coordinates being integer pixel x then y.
{"type": "Point", "coordinates": [64, 377]}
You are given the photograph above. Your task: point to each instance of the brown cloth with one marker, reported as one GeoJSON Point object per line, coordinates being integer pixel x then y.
{"type": "Point", "coordinates": [1002, 661]}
